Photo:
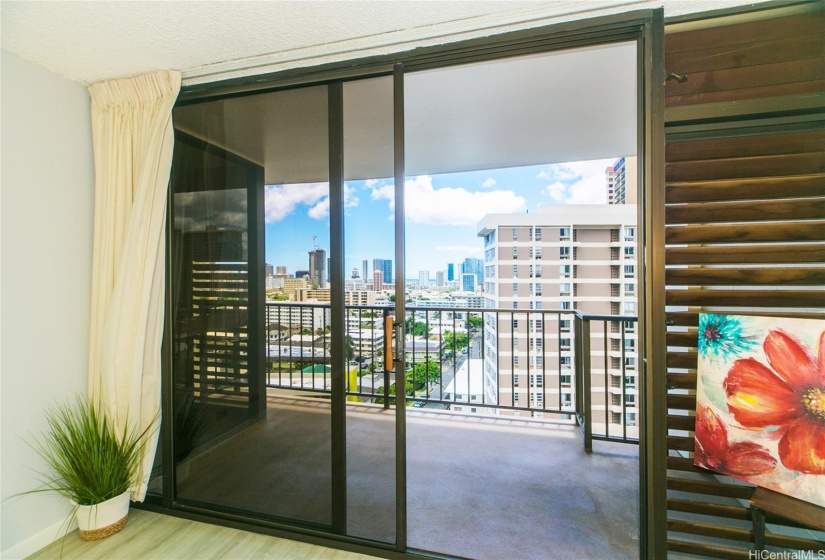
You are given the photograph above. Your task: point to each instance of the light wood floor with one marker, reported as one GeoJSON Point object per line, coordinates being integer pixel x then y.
{"type": "Point", "coordinates": [151, 536]}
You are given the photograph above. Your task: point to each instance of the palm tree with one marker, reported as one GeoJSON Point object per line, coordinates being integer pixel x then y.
{"type": "Point", "coordinates": [349, 347]}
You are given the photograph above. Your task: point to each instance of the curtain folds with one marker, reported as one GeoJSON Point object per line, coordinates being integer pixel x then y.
{"type": "Point", "coordinates": [133, 139]}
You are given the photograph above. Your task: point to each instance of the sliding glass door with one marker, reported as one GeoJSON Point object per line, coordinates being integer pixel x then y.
{"type": "Point", "coordinates": [287, 387]}
{"type": "Point", "coordinates": [283, 290]}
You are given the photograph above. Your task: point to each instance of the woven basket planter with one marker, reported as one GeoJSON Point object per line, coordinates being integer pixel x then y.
{"type": "Point", "coordinates": [103, 519]}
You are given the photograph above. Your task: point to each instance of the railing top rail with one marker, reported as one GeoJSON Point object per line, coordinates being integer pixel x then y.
{"type": "Point", "coordinates": [585, 317]}
{"type": "Point", "coordinates": [448, 309]}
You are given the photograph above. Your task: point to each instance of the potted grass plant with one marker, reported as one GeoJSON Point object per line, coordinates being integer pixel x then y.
{"type": "Point", "coordinates": [91, 462]}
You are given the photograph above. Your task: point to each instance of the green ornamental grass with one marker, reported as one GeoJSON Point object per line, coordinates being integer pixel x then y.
{"type": "Point", "coordinates": [91, 460]}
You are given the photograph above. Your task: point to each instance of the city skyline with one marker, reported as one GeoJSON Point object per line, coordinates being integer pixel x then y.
{"type": "Point", "coordinates": [442, 212]}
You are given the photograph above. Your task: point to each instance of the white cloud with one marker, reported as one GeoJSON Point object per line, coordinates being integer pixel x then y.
{"type": "Point", "coordinates": [556, 191]}
{"type": "Point", "coordinates": [589, 190]}
{"type": "Point", "coordinates": [425, 204]}
{"type": "Point", "coordinates": [468, 249]}
{"type": "Point", "coordinates": [580, 182]}
{"type": "Point", "coordinates": [281, 200]}
{"type": "Point", "coordinates": [489, 183]}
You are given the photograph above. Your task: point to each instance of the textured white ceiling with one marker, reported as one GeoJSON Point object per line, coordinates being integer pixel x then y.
{"type": "Point", "coordinates": [92, 41]}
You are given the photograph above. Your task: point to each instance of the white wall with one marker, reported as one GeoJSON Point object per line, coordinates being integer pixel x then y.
{"type": "Point", "coordinates": [47, 179]}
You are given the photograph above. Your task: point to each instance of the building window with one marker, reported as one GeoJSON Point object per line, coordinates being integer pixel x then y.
{"type": "Point", "coordinates": [564, 234]}
{"type": "Point", "coordinates": [515, 251]}
{"type": "Point", "coordinates": [629, 252]}
{"type": "Point", "coordinates": [515, 324]}
{"type": "Point", "coordinates": [515, 234]}
{"type": "Point", "coordinates": [629, 233]}
{"type": "Point", "coordinates": [629, 289]}
{"type": "Point", "coordinates": [539, 325]}
{"type": "Point", "coordinates": [538, 305]}
{"type": "Point", "coordinates": [515, 271]}
{"type": "Point", "coordinates": [564, 271]}
{"type": "Point", "coordinates": [538, 252]}
{"type": "Point", "coordinates": [564, 325]}
{"type": "Point", "coordinates": [537, 380]}
{"type": "Point", "coordinates": [538, 234]}
{"type": "Point", "coordinates": [515, 363]}
{"type": "Point", "coordinates": [629, 271]}
{"type": "Point", "coordinates": [565, 361]}
{"type": "Point", "coordinates": [515, 289]}
{"type": "Point", "coordinates": [538, 288]}
{"type": "Point", "coordinates": [538, 271]}
{"type": "Point", "coordinates": [564, 343]}
{"type": "Point", "coordinates": [515, 398]}
{"type": "Point", "coordinates": [564, 290]}
{"type": "Point", "coordinates": [564, 253]}
{"type": "Point", "coordinates": [565, 305]}
{"type": "Point", "coordinates": [629, 308]}
{"type": "Point", "coordinates": [515, 305]}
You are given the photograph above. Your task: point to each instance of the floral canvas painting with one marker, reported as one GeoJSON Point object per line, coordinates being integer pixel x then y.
{"type": "Point", "coordinates": [760, 406]}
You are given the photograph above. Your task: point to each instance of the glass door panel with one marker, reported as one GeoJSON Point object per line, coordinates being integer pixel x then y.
{"type": "Point", "coordinates": [252, 367]}
{"type": "Point", "coordinates": [369, 242]}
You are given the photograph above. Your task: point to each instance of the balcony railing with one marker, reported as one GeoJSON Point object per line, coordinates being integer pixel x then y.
{"type": "Point", "coordinates": [531, 363]}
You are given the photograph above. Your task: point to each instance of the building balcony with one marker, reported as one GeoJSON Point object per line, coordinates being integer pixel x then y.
{"type": "Point", "coordinates": [500, 462]}
{"type": "Point", "coordinates": [477, 486]}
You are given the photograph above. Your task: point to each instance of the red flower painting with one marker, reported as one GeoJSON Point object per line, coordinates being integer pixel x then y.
{"type": "Point", "coordinates": [713, 451]}
{"type": "Point", "coordinates": [787, 399]}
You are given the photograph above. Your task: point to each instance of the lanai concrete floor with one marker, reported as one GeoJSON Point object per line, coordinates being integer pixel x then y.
{"type": "Point", "coordinates": [481, 487]}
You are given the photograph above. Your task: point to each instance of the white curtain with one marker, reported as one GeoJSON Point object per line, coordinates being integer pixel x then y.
{"type": "Point", "coordinates": [133, 139]}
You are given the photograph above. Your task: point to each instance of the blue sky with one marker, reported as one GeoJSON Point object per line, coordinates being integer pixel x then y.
{"type": "Point", "coordinates": [442, 212]}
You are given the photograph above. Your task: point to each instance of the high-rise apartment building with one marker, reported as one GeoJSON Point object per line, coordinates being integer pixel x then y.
{"type": "Point", "coordinates": [473, 266]}
{"type": "Point", "coordinates": [385, 266]}
{"type": "Point", "coordinates": [538, 269]}
{"type": "Point", "coordinates": [468, 282]}
{"type": "Point", "coordinates": [365, 270]}
{"type": "Point", "coordinates": [423, 278]}
{"type": "Point", "coordinates": [439, 278]}
{"type": "Point", "coordinates": [377, 280]}
{"type": "Point", "coordinates": [268, 269]}
{"type": "Point", "coordinates": [450, 272]}
{"type": "Point", "coordinates": [621, 179]}
{"type": "Point", "coordinates": [318, 268]}
{"type": "Point", "coordinates": [280, 270]}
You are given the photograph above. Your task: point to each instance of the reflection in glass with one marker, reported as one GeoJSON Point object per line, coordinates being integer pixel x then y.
{"type": "Point", "coordinates": [245, 442]}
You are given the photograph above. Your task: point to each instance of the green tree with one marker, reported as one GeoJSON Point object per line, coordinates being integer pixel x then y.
{"type": "Point", "coordinates": [456, 341]}
{"type": "Point", "coordinates": [475, 322]}
{"type": "Point", "coordinates": [424, 373]}
{"type": "Point", "coordinates": [349, 348]}
{"type": "Point", "coordinates": [409, 389]}
{"type": "Point", "coordinates": [417, 328]}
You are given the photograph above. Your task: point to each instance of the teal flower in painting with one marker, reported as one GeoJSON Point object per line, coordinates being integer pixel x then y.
{"type": "Point", "coordinates": [723, 336]}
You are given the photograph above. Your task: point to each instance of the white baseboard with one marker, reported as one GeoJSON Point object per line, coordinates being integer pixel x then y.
{"type": "Point", "coordinates": [39, 540]}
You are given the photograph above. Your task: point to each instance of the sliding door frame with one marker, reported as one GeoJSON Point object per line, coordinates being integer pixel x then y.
{"type": "Point", "coordinates": [646, 29]}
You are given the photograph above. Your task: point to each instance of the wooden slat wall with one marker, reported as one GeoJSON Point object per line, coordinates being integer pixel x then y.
{"type": "Point", "coordinates": [745, 229]}
{"type": "Point", "coordinates": [765, 58]}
